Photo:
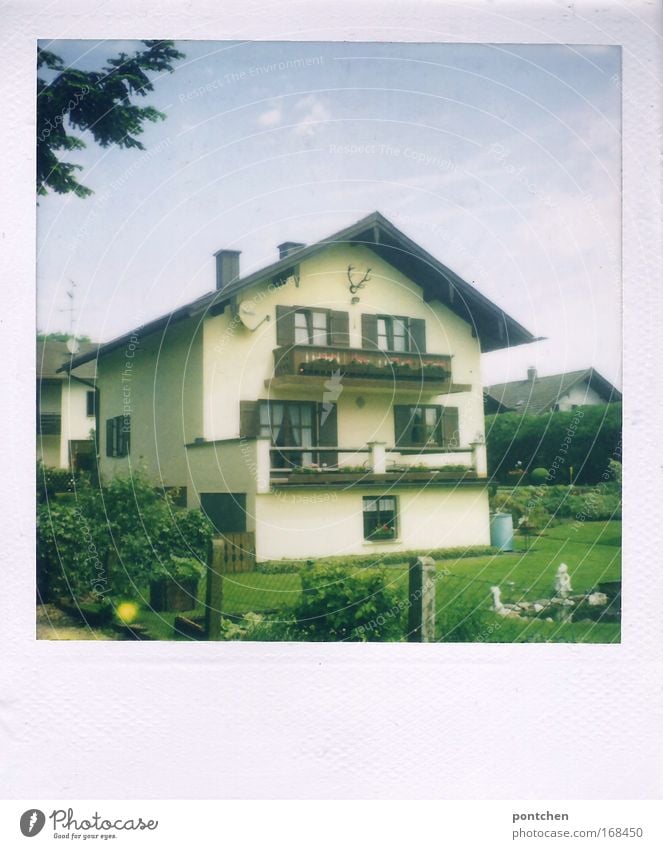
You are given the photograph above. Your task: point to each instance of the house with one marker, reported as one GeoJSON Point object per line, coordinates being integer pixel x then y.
{"type": "Point", "coordinates": [553, 393]}
{"type": "Point", "coordinates": [65, 405]}
{"type": "Point", "coordinates": [330, 403]}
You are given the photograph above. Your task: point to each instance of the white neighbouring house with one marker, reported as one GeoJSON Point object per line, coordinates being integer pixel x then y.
{"type": "Point", "coordinates": [330, 403]}
{"type": "Point", "coordinates": [65, 405]}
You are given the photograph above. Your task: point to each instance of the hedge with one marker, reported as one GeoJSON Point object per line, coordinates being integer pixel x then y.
{"type": "Point", "coordinates": [584, 440]}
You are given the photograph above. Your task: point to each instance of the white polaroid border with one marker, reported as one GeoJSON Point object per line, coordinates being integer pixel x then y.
{"type": "Point", "coordinates": [241, 720]}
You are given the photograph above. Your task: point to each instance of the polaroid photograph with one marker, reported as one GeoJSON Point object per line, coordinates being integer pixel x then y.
{"type": "Point", "coordinates": [332, 389]}
{"type": "Point", "coordinates": [372, 390]}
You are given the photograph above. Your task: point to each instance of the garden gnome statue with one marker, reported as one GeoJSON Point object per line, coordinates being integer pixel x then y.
{"type": "Point", "coordinates": [562, 581]}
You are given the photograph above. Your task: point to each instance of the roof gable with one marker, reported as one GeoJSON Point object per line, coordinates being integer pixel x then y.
{"type": "Point", "coordinates": [492, 326]}
{"type": "Point", "coordinates": [541, 394]}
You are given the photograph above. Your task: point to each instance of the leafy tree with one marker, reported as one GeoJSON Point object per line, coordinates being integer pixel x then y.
{"type": "Point", "coordinates": [60, 337]}
{"type": "Point", "coordinates": [97, 101]}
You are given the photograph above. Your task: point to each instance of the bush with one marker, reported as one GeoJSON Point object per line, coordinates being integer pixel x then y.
{"type": "Point", "coordinates": [114, 540]}
{"type": "Point", "coordinates": [538, 476]}
{"type": "Point", "coordinates": [339, 605]}
{"type": "Point", "coordinates": [368, 561]}
{"type": "Point", "coordinates": [600, 502]}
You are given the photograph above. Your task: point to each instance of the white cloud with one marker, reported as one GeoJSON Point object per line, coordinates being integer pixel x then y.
{"type": "Point", "coordinates": [313, 112]}
{"type": "Point", "coordinates": [271, 117]}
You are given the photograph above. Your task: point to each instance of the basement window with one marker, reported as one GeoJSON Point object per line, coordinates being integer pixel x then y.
{"type": "Point", "coordinates": [380, 518]}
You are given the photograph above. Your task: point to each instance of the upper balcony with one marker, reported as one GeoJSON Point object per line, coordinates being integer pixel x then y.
{"type": "Point", "coordinates": [298, 366]}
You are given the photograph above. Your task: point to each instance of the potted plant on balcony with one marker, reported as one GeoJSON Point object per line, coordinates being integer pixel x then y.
{"type": "Point", "coordinates": [175, 585]}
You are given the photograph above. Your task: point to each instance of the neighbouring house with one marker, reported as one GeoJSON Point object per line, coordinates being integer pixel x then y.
{"type": "Point", "coordinates": [330, 403]}
{"type": "Point", "coordinates": [65, 405]}
{"type": "Point", "coordinates": [553, 393]}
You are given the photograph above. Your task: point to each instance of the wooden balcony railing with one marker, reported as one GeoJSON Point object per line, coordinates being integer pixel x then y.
{"type": "Point", "coordinates": [49, 424]}
{"type": "Point", "coordinates": [318, 361]}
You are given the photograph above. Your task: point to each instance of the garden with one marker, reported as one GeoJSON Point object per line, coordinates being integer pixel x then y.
{"type": "Point", "coordinates": [127, 562]}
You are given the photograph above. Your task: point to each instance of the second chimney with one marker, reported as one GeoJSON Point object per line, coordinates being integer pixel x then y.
{"type": "Point", "coordinates": [227, 268]}
{"type": "Point", "coordinates": [531, 374]}
{"type": "Point", "coordinates": [287, 248]}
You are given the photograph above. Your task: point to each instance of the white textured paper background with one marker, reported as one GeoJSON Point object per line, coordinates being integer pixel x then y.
{"type": "Point", "coordinates": [131, 720]}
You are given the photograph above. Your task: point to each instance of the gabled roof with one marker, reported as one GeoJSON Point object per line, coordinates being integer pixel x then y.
{"type": "Point", "coordinates": [494, 328]}
{"type": "Point", "coordinates": [53, 357]}
{"type": "Point", "coordinates": [541, 394]}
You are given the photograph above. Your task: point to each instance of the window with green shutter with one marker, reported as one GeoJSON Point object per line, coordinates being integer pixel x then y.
{"type": "Point", "coordinates": [118, 436]}
{"type": "Point", "coordinates": [311, 326]}
{"type": "Point", "coordinates": [426, 426]}
{"type": "Point", "coordinates": [394, 333]}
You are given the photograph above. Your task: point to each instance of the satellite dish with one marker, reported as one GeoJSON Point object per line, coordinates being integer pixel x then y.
{"type": "Point", "coordinates": [248, 315]}
{"type": "Point", "coordinates": [72, 345]}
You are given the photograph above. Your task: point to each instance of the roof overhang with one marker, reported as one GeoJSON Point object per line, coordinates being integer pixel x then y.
{"type": "Point", "coordinates": [493, 327]}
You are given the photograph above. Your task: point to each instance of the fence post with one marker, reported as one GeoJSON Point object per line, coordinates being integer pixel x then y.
{"type": "Point", "coordinates": [421, 596]}
{"type": "Point", "coordinates": [214, 590]}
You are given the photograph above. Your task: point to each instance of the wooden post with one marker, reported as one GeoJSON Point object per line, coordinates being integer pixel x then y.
{"type": "Point", "coordinates": [421, 597]}
{"type": "Point", "coordinates": [214, 590]}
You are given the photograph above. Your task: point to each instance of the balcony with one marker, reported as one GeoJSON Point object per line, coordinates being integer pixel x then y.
{"type": "Point", "coordinates": [375, 464]}
{"type": "Point", "coordinates": [302, 365]}
{"type": "Point", "coordinates": [49, 424]}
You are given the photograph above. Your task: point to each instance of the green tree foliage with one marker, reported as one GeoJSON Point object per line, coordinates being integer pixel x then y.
{"type": "Point", "coordinates": [586, 439]}
{"type": "Point", "coordinates": [96, 101]}
{"type": "Point", "coordinates": [111, 541]}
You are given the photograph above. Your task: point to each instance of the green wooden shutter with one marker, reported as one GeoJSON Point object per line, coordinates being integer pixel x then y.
{"type": "Point", "coordinates": [249, 419]}
{"type": "Point", "coordinates": [369, 331]}
{"type": "Point", "coordinates": [403, 425]}
{"type": "Point", "coordinates": [417, 328]}
{"type": "Point", "coordinates": [124, 424]}
{"type": "Point", "coordinates": [285, 326]}
{"type": "Point", "coordinates": [450, 432]}
{"type": "Point", "coordinates": [110, 430]}
{"type": "Point", "coordinates": [339, 328]}
{"type": "Point", "coordinates": [328, 431]}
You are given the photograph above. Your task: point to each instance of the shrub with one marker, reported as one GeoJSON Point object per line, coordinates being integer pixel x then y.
{"type": "Point", "coordinates": [371, 561]}
{"type": "Point", "coordinates": [538, 476]}
{"type": "Point", "coordinates": [114, 540]}
{"type": "Point", "coordinates": [464, 620]}
{"type": "Point", "coordinates": [339, 605]}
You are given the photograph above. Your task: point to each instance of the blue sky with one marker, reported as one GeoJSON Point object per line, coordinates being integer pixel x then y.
{"type": "Point", "coordinates": [502, 161]}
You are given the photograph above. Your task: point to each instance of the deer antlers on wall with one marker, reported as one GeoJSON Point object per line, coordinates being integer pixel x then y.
{"type": "Point", "coordinates": [355, 287]}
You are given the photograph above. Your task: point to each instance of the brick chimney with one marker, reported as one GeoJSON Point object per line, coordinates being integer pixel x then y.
{"type": "Point", "coordinates": [227, 268]}
{"type": "Point", "coordinates": [531, 374]}
{"type": "Point", "coordinates": [287, 248]}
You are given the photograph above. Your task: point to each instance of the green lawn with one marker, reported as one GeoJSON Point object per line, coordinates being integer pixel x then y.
{"type": "Point", "coordinates": [591, 550]}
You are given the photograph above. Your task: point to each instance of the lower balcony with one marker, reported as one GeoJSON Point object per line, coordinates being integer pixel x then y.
{"type": "Point", "coordinates": [255, 465]}
{"type": "Point", "coordinates": [374, 465]}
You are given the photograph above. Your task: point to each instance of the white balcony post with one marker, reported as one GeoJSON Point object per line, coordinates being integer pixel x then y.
{"type": "Point", "coordinates": [480, 458]}
{"type": "Point", "coordinates": [263, 464]}
{"type": "Point", "coordinates": [378, 457]}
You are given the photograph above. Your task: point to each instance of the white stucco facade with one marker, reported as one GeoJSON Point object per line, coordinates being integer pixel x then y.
{"type": "Point", "coordinates": [66, 398]}
{"type": "Point", "coordinates": [182, 389]}
{"type": "Point", "coordinates": [579, 395]}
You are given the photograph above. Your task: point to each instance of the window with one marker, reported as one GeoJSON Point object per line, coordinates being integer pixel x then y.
{"type": "Point", "coordinates": [89, 402]}
{"type": "Point", "coordinates": [394, 333]}
{"type": "Point", "coordinates": [380, 515]}
{"type": "Point", "coordinates": [426, 426]}
{"type": "Point", "coordinates": [118, 436]}
{"type": "Point", "coordinates": [296, 425]}
{"type": "Point", "coordinates": [311, 327]}
{"type": "Point", "coordinates": [307, 326]}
